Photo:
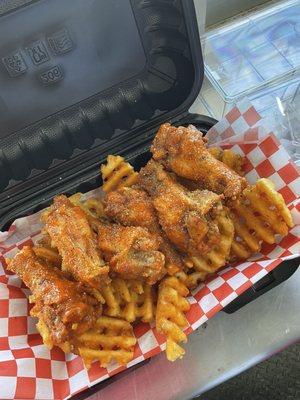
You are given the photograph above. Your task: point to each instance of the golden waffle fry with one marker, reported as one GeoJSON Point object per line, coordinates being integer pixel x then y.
{"type": "Point", "coordinates": [140, 306]}
{"type": "Point", "coordinates": [129, 300]}
{"type": "Point", "coordinates": [258, 215]}
{"type": "Point", "coordinates": [96, 293]}
{"type": "Point", "coordinates": [117, 173]}
{"type": "Point", "coordinates": [110, 339]}
{"type": "Point", "coordinates": [232, 160]}
{"type": "Point", "coordinates": [191, 278]}
{"type": "Point", "coordinates": [92, 206]}
{"type": "Point", "coordinates": [218, 256]}
{"type": "Point", "coordinates": [170, 318]}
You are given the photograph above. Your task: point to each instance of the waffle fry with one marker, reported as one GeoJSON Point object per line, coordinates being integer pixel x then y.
{"type": "Point", "coordinates": [191, 278]}
{"type": "Point", "coordinates": [170, 318]}
{"type": "Point", "coordinates": [258, 215]}
{"type": "Point", "coordinates": [117, 173]}
{"type": "Point", "coordinates": [110, 339]}
{"type": "Point", "coordinates": [232, 160]}
{"type": "Point", "coordinates": [130, 300]}
{"type": "Point", "coordinates": [92, 206]}
{"type": "Point", "coordinates": [218, 256]}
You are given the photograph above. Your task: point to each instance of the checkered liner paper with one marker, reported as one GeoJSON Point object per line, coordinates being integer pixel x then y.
{"type": "Point", "coordinates": [29, 370]}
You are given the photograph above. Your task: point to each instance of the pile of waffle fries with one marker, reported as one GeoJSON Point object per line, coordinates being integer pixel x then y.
{"type": "Point", "coordinates": [243, 223]}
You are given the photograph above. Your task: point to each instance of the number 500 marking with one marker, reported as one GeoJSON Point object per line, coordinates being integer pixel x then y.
{"type": "Point", "coordinates": [52, 75]}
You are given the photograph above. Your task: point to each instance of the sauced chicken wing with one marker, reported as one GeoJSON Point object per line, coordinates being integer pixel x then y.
{"type": "Point", "coordinates": [133, 207]}
{"type": "Point", "coordinates": [63, 306]}
{"type": "Point", "coordinates": [182, 150]}
{"type": "Point", "coordinates": [186, 217]}
{"type": "Point", "coordinates": [70, 232]}
{"type": "Point", "coordinates": [132, 252]}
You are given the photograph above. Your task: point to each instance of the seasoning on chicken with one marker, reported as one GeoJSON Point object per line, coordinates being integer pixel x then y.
{"type": "Point", "coordinates": [70, 232]}
{"type": "Point", "coordinates": [133, 207]}
{"type": "Point", "coordinates": [186, 217]}
{"type": "Point", "coordinates": [183, 151]}
{"type": "Point", "coordinates": [132, 252]}
{"type": "Point", "coordinates": [62, 306]}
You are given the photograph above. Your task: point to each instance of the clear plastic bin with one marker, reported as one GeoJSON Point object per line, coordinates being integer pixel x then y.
{"type": "Point", "coordinates": [288, 127]}
{"type": "Point", "coordinates": [279, 104]}
{"type": "Point", "coordinates": [251, 53]}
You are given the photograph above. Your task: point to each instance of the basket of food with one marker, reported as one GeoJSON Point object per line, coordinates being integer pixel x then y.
{"type": "Point", "coordinates": [111, 253]}
{"type": "Point", "coordinates": [128, 270]}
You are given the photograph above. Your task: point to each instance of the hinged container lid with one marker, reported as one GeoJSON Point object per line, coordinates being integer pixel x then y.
{"type": "Point", "coordinates": [82, 78]}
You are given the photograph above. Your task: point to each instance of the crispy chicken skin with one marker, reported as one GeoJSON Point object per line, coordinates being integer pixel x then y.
{"type": "Point", "coordinates": [70, 232]}
{"type": "Point", "coordinates": [184, 216]}
{"type": "Point", "coordinates": [63, 306]}
{"type": "Point", "coordinates": [133, 207]}
{"type": "Point", "coordinates": [132, 252]}
{"type": "Point", "coordinates": [182, 150]}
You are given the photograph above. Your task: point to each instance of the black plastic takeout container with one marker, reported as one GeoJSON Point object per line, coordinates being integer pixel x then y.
{"type": "Point", "coordinates": [81, 79]}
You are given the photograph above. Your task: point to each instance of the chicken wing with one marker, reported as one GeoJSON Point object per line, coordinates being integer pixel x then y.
{"type": "Point", "coordinates": [182, 150]}
{"type": "Point", "coordinates": [70, 232]}
{"type": "Point", "coordinates": [62, 306]}
{"type": "Point", "coordinates": [186, 217]}
{"type": "Point", "coordinates": [132, 252]}
{"type": "Point", "coordinates": [133, 207]}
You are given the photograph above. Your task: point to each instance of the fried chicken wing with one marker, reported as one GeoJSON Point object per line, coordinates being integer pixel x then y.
{"type": "Point", "coordinates": [183, 151]}
{"type": "Point", "coordinates": [133, 207]}
{"type": "Point", "coordinates": [70, 232]}
{"type": "Point", "coordinates": [186, 217]}
{"type": "Point", "coordinates": [132, 252]}
{"type": "Point", "coordinates": [62, 306]}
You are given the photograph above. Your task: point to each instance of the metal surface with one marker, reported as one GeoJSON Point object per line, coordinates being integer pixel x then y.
{"type": "Point", "coordinates": [227, 345]}
{"type": "Point", "coordinates": [273, 379]}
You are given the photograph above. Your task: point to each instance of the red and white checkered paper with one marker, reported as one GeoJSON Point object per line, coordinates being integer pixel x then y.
{"type": "Point", "coordinates": [29, 370]}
